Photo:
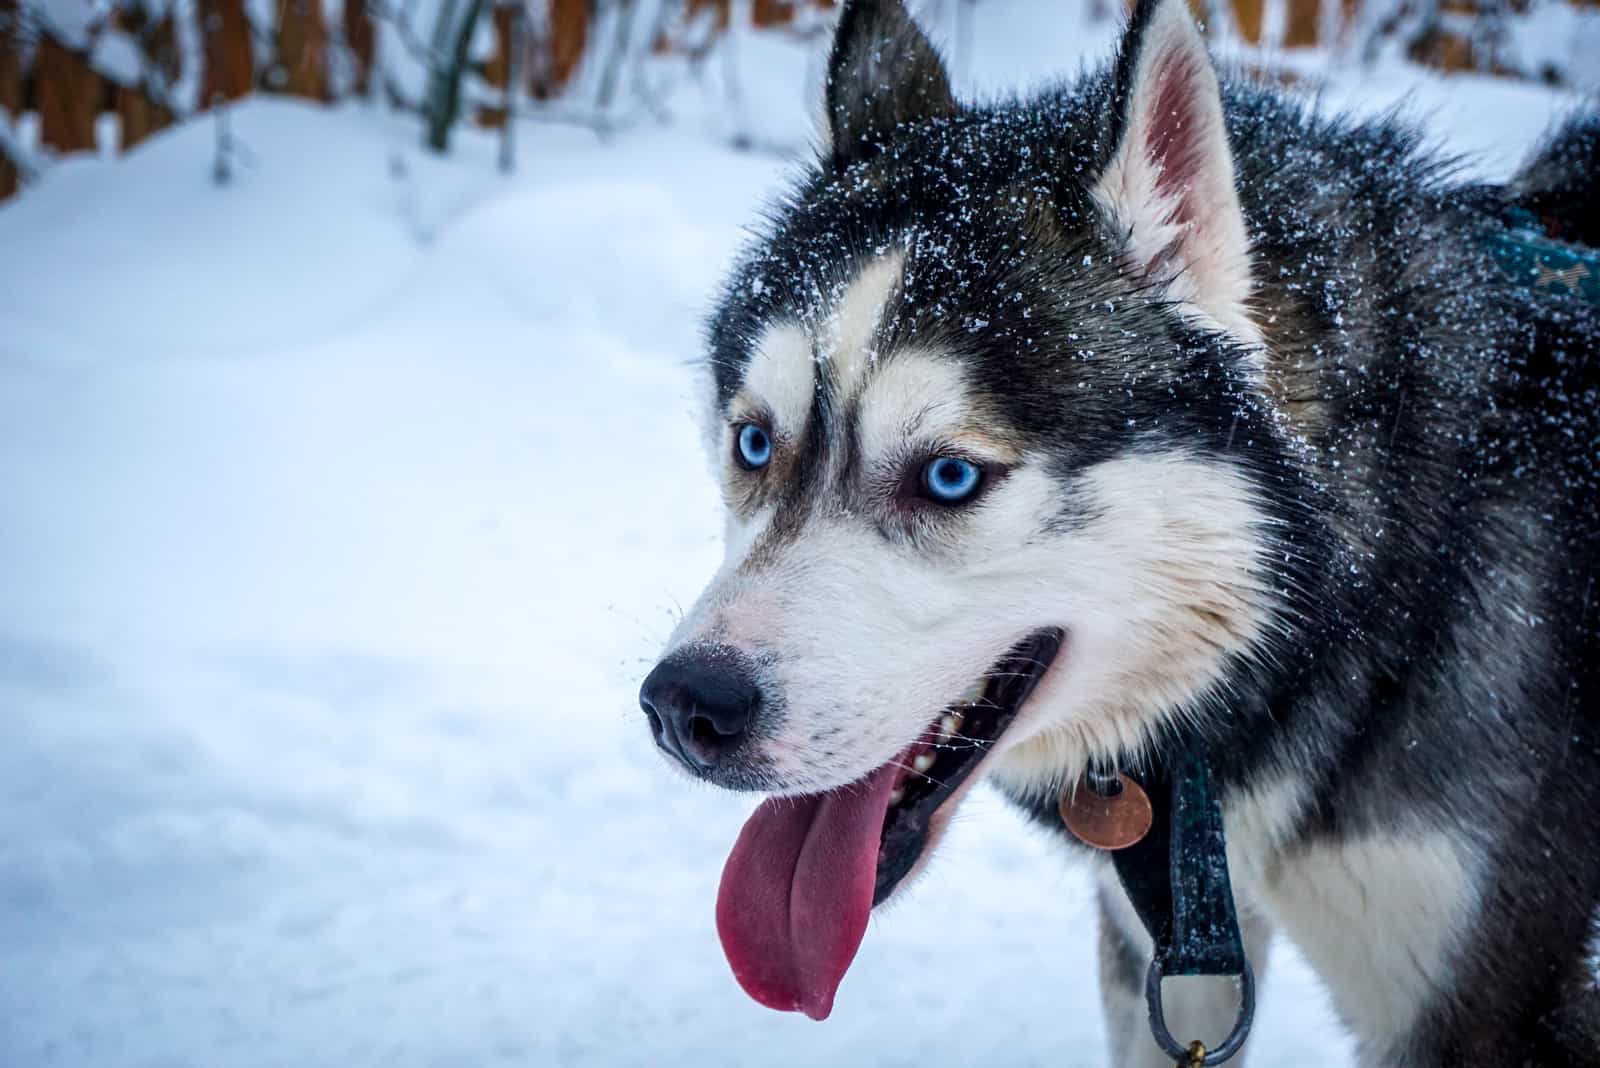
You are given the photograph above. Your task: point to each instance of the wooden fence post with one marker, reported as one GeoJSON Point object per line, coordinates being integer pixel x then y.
{"type": "Point", "coordinates": [69, 95]}
{"type": "Point", "coordinates": [10, 89]}
{"type": "Point", "coordinates": [10, 57]}
{"type": "Point", "coordinates": [302, 50]}
{"type": "Point", "coordinates": [772, 12]}
{"type": "Point", "coordinates": [140, 115]}
{"type": "Point", "coordinates": [1248, 16]}
{"type": "Point", "coordinates": [497, 69]}
{"type": "Point", "coordinates": [569, 36]}
{"type": "Point", "coordinates": [1301, 31]}
{"type": "Point", "coordinates": [230, 64]}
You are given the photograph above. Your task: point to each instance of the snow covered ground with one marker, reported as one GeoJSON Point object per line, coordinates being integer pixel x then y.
{"type": "Point", "coordinates": [342, 515]}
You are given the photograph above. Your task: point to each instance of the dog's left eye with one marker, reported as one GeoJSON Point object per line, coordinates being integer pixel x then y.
{"type": "Point", "coordinates": [753, 446]}
{"type": "Point", "coordinates": [951, 480]}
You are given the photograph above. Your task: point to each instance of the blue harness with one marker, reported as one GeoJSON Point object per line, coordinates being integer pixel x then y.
{"type": "Point", "coordinates": [1531, 257]}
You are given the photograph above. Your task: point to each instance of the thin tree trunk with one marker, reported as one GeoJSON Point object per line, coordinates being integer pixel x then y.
{"type": "Point", "coordinates": [444, 84]}
{"type": "Point", "coordinates": [361, 38]}
{"type": "Point", "coordinates": [514, 46]}
{"type": "Point", "coordinates": [620, 46]}
{"type": "Point", "coordinates": [222, 160]}
{"type": "Point", "coordinates": [382, 95]}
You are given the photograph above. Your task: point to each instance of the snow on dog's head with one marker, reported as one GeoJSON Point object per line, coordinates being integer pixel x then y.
{"type": "Point", "coordinates": [974, 403]}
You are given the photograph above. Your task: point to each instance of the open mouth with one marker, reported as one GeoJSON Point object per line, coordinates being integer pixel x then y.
{"type": "Point", "coordinates": [806, 872]}
{"type": "Point", "coordinates": [934, 769]}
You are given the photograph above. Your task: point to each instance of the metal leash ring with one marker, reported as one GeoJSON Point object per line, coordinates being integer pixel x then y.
{"type": "Point", "coordinates": [1182, 1054]}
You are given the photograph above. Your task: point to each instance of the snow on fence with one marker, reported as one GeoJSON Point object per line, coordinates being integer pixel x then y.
{"type": "Point", "coordinates": [66, 64]}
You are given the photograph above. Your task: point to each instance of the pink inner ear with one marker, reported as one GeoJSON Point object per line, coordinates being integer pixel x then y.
{"type": "Point", "coordinates": [1175, 137]}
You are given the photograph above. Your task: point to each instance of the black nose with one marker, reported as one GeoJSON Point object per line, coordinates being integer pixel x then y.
{"type": "Point", "coordinates": [699, 701]}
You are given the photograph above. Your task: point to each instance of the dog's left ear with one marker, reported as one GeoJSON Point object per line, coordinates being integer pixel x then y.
{"type": "Point", "coordinates": [1167, 183]}
{"type": "Point", "coordinates": [882, 72]}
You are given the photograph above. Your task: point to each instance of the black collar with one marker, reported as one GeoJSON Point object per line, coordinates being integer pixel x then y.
{"type": "Point", "coordinates": [1177, 878]}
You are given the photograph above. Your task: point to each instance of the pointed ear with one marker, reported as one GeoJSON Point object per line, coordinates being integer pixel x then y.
{"type": "Point", "coordinates": [1168, 182]}
{"type": "Point", "coordinates": [882, 72]}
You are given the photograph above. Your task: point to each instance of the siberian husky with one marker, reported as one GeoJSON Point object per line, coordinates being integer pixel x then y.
{"type": "Point", "coordinates": [1154, 412]}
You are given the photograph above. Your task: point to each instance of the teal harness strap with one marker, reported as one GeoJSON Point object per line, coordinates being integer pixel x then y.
{"type": "Point", "coordinates": [1204, 938]}
{"type": "Point", "coordinates": [1533, 259]}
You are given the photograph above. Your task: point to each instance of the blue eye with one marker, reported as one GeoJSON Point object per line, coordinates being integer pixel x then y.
{"type": "Point", "coordinates": [754, 446]}
{"type": "Point", "coordinates": [951, 481]}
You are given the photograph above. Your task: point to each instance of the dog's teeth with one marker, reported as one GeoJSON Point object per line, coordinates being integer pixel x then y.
{"type": "Point", "coordinates": [949, 726]}
{"type": "Point", "coordinates": [923, 762]}
{"type": "Point", "coordinates": [897, 795]}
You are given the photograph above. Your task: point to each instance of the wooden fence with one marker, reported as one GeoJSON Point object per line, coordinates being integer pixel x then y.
{"type": "Point", "coordinates": [68, 80]}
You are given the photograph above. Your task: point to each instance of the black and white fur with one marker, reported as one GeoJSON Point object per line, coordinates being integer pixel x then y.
{"type": "Point", "coordinates": [1266, 433]}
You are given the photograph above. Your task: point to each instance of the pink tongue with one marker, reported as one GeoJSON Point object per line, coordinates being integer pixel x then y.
{"type": "Point", "coordinates": [797, 890]}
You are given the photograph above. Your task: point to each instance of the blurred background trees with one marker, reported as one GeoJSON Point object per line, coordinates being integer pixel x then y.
{"type": "Point", "coordinates": [104, 75]}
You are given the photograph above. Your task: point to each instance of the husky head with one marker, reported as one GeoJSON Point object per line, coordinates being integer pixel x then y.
{"type": "Point", "coordinates": [982, 402]}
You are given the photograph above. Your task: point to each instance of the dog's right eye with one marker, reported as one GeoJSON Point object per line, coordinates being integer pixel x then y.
{"type": "Point", "coordinates": [752, 446]}
{"type": "Point", "coordinates": [951, 480]}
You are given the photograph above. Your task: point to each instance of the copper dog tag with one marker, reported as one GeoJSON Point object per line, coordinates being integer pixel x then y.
{"type": "Point", "coordinates": [1107, 822]}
